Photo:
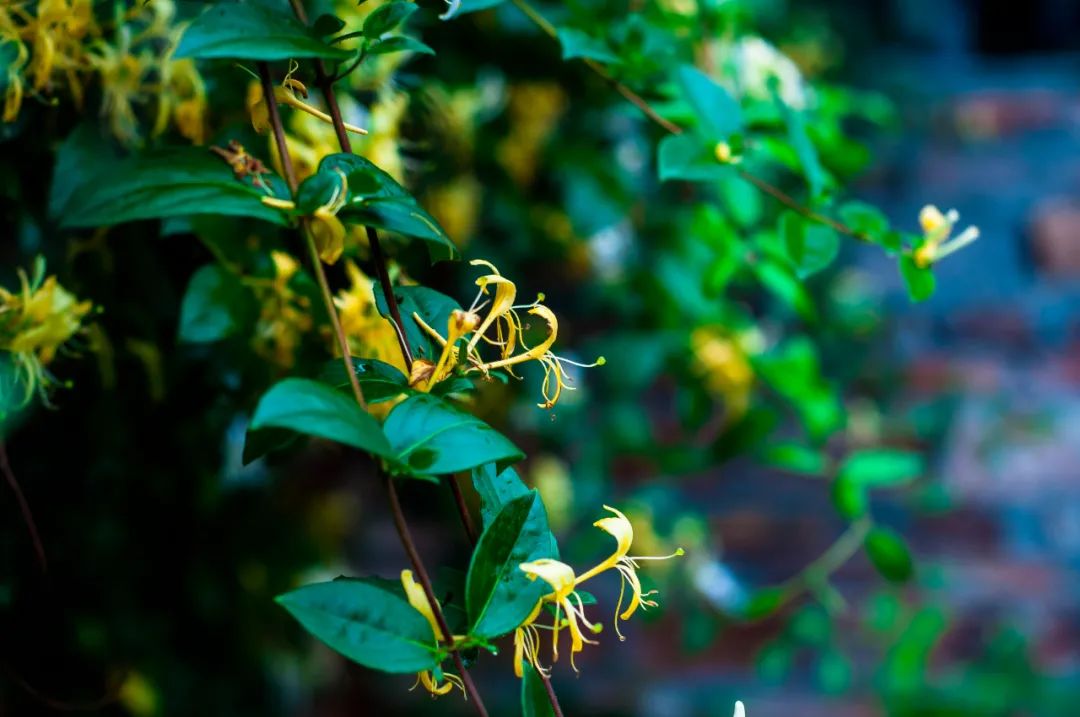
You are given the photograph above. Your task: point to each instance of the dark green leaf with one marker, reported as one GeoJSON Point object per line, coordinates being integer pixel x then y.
{"type": "Point", "coordinates": [499, 595]}
{"type": "Point", "coordinates": [83, 149]}
{"type": "Point", "coordinates": [576, 43]}
{"type": "Point", "coordinates": [496, 489]}
{"type": "Point", "coordinates": [316, 409]}
{"type": "Point", "coordinates": [796, 458]}
{"type": "Point", "coordinates": [849, 498]}
{"type": "Point", "coordinates": [214, 306]}
{"type": "Point", "coordinates": [920, 282]}
{"type": "Point", "coordinates": [398, 43]}
{"type": "Point", "coordinates": [864, 219]}
{"type": "Point", "coordinates": [431, 436]}
{"type": "Point", "coordinates": [764, 603]}
{"type": "Point", "coordinates": [889, 554]}
{"type": "Point", "coordinates": [379, 380]}
{"type": "Point", "coordinates": [366, 623]}
{"type": "Point", "coordinates": [882, 467]}
{"type": "Point", "coordinates": [165, 183]}
{"type": "Point", "coordinates": [461, 7]}
{"type": "Point", "coordinates": [534, 697]}
{"type": "Point", "coordinates": [690, 157]}
{"type": "Point", "coordinates": [258, 443]}
{"type": "Point", "coordinates": [252, 32]}
{"type": "Point", "coordinates": [810, 246]}
{"type": "Point", "coordinates": [387, 17]}
{"type": "Point", "coordinates": [327, 24]}
{"type": "Point", "coordinates": [808, 157]}
{"type": "Point", "coordinates": [718, 114]}
{"type": "Point", "coordinates": [782, 282]}
{"type": "Point", "coordinates": [431, 306]}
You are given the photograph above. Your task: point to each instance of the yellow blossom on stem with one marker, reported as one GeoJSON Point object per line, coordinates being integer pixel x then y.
{"type": "Point", "coordinates": [937, 228]}
{"type": "Point", "coordinates": [416, 596]}
{"type": "Point", "coordinates": [560, 577]}
{"type": "Point", "coordinates": [285, 314]}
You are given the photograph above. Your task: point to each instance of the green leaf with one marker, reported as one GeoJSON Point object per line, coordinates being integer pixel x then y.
{"type": "Point", "coordinates": [462, 7]}
{"type": "Point", "coordinates": [690, 157]}
{"type": "Point", "coordinates": [765, 602]}
{"type": "Point", "coordinates": [83, 149]}
{"type": "Point", "coordinates": [810, 246]}
{"type": "Point", "coordinates": [310, 407]}
{"type": "Point", "coordinates": [430, 305]}
{"type": "Point", "coordinates": [327, 24]}
{"type": "Point", "coordinates": [496, 488]}
{"type": "Point", "coordinates": [165, 183]}
{"type": "Point", "coordinates": [534, 697]}
{"type": "Point", "coordinates": [252, 32]}
{"type": "Point", "coordinates": [576, 43]}
{"type": "Point", "coordinates": [374, 199]}
{"type": "Point", "coordinates": [782, 282]}
{"type": "Point", "coordinates": [876, 468]}
{"type": "Point", "coordinates": [379, 380]}
{"type": "Point", "coordinates": [366, 623]}
{"type": "Point", "coordinates": [849, 498]}
{"type": "Point", "coordinates": [920, 282]}
{"type": "Point", "coordinates": [431, 436]}
{"type": "Point", "coordinates": [864, 219]}
{"type": "Point", "coordinates": [795, 458]}
{"type": "Point", "coordinates": [386, 17]}
{"type": "Point", "coordinates": [398, 43]}
{"type": "Point", "coordinates": [717, 111]}
{"type": "Point", "coordinates": [889, 554]}
{"type": "Point", "coordinates": [816, 177]}
{"type": "Point", "coordinates": [498, 594]}
{"type": "Point", "coordinates": [214, 306]}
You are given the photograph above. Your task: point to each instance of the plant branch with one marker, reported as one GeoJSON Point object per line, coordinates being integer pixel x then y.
{"type": "Point", "coordinates": [463, 510]}
{"type": "Point", "coordinates": [838, 554]}
{"type": "Point", "coordinates": [24, 508]}
{"type": "Point", "coordinates": [425, 582]}
{"type": "Point", "coordinates": [643, 105]}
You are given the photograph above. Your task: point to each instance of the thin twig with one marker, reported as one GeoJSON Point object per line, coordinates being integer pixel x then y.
{"type": "Point", "coordinates": [463, 509]}
{"type": "Point", "coordinates": [391, 299]}
{"type": "Point", "coordinates": [425, 582]}
{"type": "Point", "coordinates": [642, 104]}
{"type": "Point", "coordinates": [112, 694]}
{"type": "Point", "coordinates": [24, 507]}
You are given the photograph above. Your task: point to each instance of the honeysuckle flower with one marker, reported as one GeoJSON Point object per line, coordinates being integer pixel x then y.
{"type": "Point", "coordinates": [14, 93]}
{"type": "Point", "coordinates": [937, 228]}
{"type": "Point", "coordinates": [560, 577]}
{"type": "Point", "coordinates": [527, 643]}
{"type": "Point", "coordinates": [414, 593]}
{"type": "Point", "coordinates": [325, 228]}
{"type": "Point", "coordinates": [286, 94]}
{"type": "Point", "coordinates": [369, 334]}
{"type": "Point", "coordinates": [619, 527]}
{"type": "Point", "coordinates": [36, 323]}
{"type": "Point", "coordinates": [284, 315]}
{"type": "Point", "coordinates": [721, 360]}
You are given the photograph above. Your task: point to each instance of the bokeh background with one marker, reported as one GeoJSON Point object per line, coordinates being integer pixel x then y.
{"type": "Point", "coordinates": [165, 551]}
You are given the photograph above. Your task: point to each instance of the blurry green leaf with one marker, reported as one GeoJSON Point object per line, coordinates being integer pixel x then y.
{"type": "Point", "coordinates": [811, 626]}
{"type": "Point", "coordinates": [765, 602]}
{"type": "Point", "coordinates": [316, 409]}
{"type": "Point", "coordinates": [164, 183]}
{"type": "Point", "coordinates": [374, 199]}
{"type": "Point", "coordinates": [386, 17]}
{"type": "Point", "coordinates": [690, 157]}
{"type": "Point", "coordinates": [327, 24]}
{"type": "Point", "coordinates": [84, 148]}
{"type": "Point", "coordinates": [774, 661]}
{"type": "Point", "coordinates": [875, 468]}
{"type": "Point", "coordinates": [793, 370]}
{"type": "Point", "coordinates": [920, 282]}
{"type": "Point", "coordinates": [431, 306]}
{"type": "Point", "coordinates": [379, 380]}
{"type": "Point", "coordinates": [257, 443]}
{"type": "Point", "coordinates": [849, 498]}
{"type": "Point", "coordinates": [431, 436]}
{"type": "Point", "coordinates": [452, 385]}
{"type": "Point", "coordinates": [810, 246]}
{"type": "Point", "coordinates": [889, 554]}
{"type": "Point", "coordinates": [398, 43]}
{"type": "Point", "coordinates": [534, 697]}
{"type": "Point", "coordinates": [816, 177]}
{"type": "Point", "coordinates": [795, 458]}
{"type": "Point", "coordinates": [252, 32]}
{"type": "Point", "coordinates": [883, 612]}
{"type": "Point", "coordinates": [782, 282]}
{"type": "Point", "coordinates": [834, 671]}
{"type": "Point", "coordinates": [576, 43]}
{"type": "Point", "coordinates": [498, 593]}
{"type": "Point", "coordinates": [215, 306]}
{"type": "Point", "coordinates": [366, 623]}
{"type": "Point", "coordinates": [462, 7]}
{"type": "Point", "coordinates": [717, 111]}
{"type": "Point", "coordinates": [496, 489]}
{"type": "Point", "coordinates": [742, 201]}
{"type": "Point", "coordinates": [864, 218]}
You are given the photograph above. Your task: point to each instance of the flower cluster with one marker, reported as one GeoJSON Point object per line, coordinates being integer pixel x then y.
{"type": "Point", "coordinates": [36, 323]}
{"type": "Point", "coordinates": [285, 314]}
{"type": "Point", "coordinates": [568, 606]}
{"type": "Point", "coordinates": [54, 41]}
{"type": "Point", "coordinates": [501, 328]}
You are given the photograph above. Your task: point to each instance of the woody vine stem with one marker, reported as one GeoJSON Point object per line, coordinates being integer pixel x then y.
{"type": "Point", "coordinates": [395, 505]}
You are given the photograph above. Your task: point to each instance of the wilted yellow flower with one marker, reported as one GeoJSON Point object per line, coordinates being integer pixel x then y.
{"type": "Point", "coordinates": [937, 228]}
{"type": "Point", "coordinates": [35, 324]}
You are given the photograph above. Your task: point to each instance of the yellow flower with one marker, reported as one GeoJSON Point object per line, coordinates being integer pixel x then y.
{"type": "Point", "coordinates": [14, 93]}
{"type": "Point", "coordinates": [35, 324]}
{"type": "Point", "coordinates": [937, 228]}
{"type": "Point", "coordinates": [722, 361]}
{"type": "Point", "coordinates": [286, 94]}
{"type": "Point", "coordinates": [505, 322]}
{"type": "Point", "coordinates": [325, 228]}
{"type": "Point", "coordinates": [560, 577]}
{"type": "Point", "coordinates": [527, 643]}
{"type": "Point", "coordinates": [416, 596]}
{"type": "Point", "coordinates": [285, 316]}
{"type": "Point", "coordinates": [369, 334]}
{"type": "Point", "coordinates": [620, 528]}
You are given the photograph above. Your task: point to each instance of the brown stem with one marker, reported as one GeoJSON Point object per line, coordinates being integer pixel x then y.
{"type": "Point", "coordinates": [552, 697]}
{"type": "Point", "coordinates": [642, 104]}
{"type": "Point", "coordinates": [24, 507]}
{"type": "Point", "coordinates": [425, 582]}
{"type": "Point", "coordinates": [463, 509]}
{"type": "Point", "coordinates": [388, 291]}
{"type": "Point", "coordinates": [316, 261]}
{"type": "Point", "coordinates": [325, 84]}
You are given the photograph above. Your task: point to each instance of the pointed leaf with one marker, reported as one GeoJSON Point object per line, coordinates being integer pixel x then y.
{"type": "Point", "coordinates": [889, 554]}
{"type": "Point", "coordinates": [879, 467]}
{"type": "Point", "coordinates": [717, 111]}
{"type": "Point", "coordinates": [496, 489]}
{"type": "Point", "coordinates": [499, 596]}
{"type": "Point", "coordinates": [366, 623]}
{"type": "Point", "coordinates": [576, 43]}
{"type": "Point", "coordinates": [310, 407]}
{"type": "Point", "coordinates": [386, 17]}
{"type": "Point", "coordinates": [215, 305]}
{"type": "Point", "coordinates": [379, 380]}
{"type": "Point", "coordinates": [252, 32]}
{"type": "Point", "coordinates": [690, 157]}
